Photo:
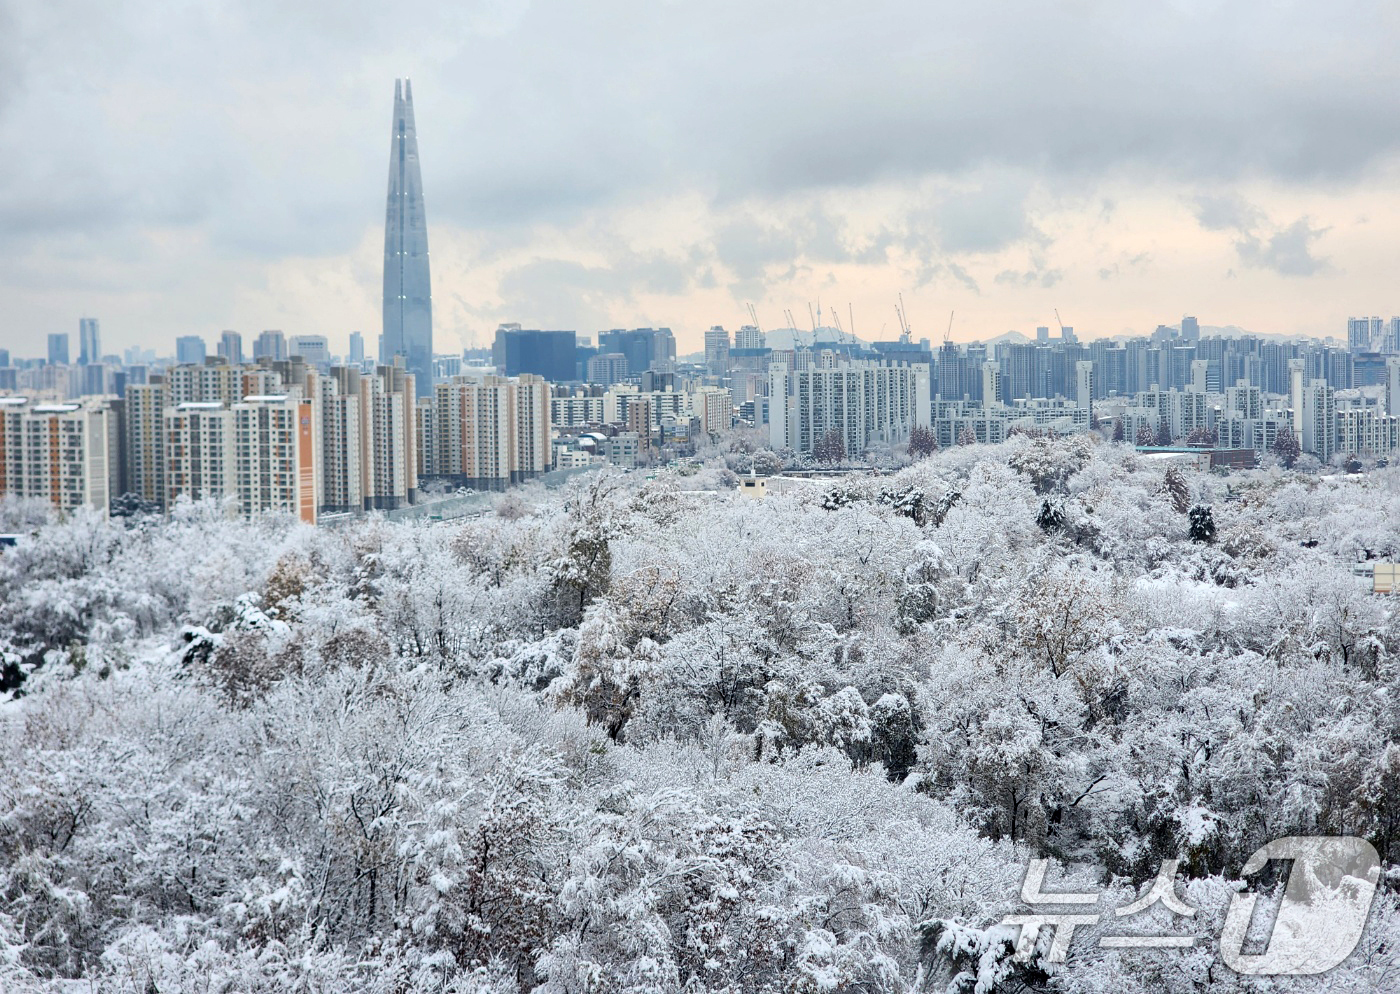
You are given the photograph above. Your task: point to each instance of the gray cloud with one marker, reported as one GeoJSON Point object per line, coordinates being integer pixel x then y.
{"type": "Point", "coordinates": [259, 130]}
{"type": "Point", "coordinates": [1030, 277]}
{"type": "Point", "coordinates": [1287, 252]}
{"type": "Point", "coordinates": [1260, 243]}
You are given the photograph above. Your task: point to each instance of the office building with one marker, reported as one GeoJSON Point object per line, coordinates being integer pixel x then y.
{"type": "Point", "coordinates": [89, 342]}
{"type": "Point", "coordinates": [189, 350]}
{"type": "Point", "coordinates": [1190, 329]}
{"type": "Point", "coordinates": [357, 350]}
{"type": "Point", "coordinates": [749, 337]}
{"type": "Point", "coordinates": [408, 305]}
{"type": "Point", "coordinates": [231, 347]}
{"type": "Point", "coordinates": [315, 349]}
{"type": "Point", "coordinates": [270, 345]}
{"type": "Point", "coordinates": [717, 351]}
{"type": "Point", "coordinates": [548, 354]}
{"type": "Point", "coordinates": [58, 349]}
{"type": "Point", "coordinates": [645, 348]}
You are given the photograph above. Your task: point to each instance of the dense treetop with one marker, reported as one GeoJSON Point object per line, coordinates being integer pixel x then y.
{"type": "Point", "coordinates": [630, 736]}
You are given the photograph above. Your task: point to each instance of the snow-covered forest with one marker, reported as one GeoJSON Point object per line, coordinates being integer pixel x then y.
{"type": "Point", "coordinates": [632, 737]}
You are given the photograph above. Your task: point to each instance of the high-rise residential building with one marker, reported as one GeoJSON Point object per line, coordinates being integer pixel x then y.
{"type": "Point", "coordinates": [270, 345]}
{"type": "Point", "coordinates": [231, 347]}
{"type": "Point", "coordinates": [4, 357]}
{"type": "Point", "coordinates": [12, 410]}
{"type": "Point", "coordinates": [1314, 412]}
{"type": "Point", "coordinates": [713, 407]}
{"type": "Point", "coordinates": [261, 451]}
{"type": "Point", "coordinates": [408, 308]}
{"type": "Point", "coordinates": [341, 462]}
{"type": "Point", "coordinates": [199, 451]}
{"type": "Point", "coordinates": [1392, 386]}
{"type": "Point", "coordinates": [60, 453]}
{"type": "Point", "coordinates": [369, 453]}
{"type": "Point", "coordinates": [992, 385]}
{"type": "Point", "coordinates": [1390, 341]}
{"type": "Point", "coordinates": [226, 383]}
{"type": "Point", "coordinates": [1084, 384]}
{"type": "Point", "coordinates": [861, 400]}
{"type": "Point", "coordinates": [388, 437]}
{"type": "Point", "coordinates": [58, 349]}
{"type": "Point", "coordinates": [491, 431]}
{"type": "Point", "coordinates": [357, 350]}
{"type": "Point", "coordinates": [315, 349]}
{"type": "Point", "coordinates": [549, 354]}
{"type": "Point", "coordinates": [1190, 329]}
{"type": "Point", "coordinates": [190, 350]}
{"type": "Point", "coordinates": [144, 442]}
{"type": "Point", "coordinates": [1364, 334]}
{"type": "Point", "coordinates": [89, 342]}
{"type": "Point", "coordinates": [275, 455]}
{"type": "Point", "coordinates": [717, 351]}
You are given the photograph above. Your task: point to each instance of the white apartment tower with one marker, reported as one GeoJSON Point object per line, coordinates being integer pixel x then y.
{"type": "Point", "coordinates": [65, 455]}
{"type": "Point", "coordinates": [863, 400]}
{"type": "Point", "coordinates": [491, 431]}
{"type": "Point", "coordinates": [275, 455]}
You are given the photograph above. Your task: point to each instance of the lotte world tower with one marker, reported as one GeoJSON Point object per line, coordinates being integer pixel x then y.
{"type": "Point", "coordinates": [408, 302]}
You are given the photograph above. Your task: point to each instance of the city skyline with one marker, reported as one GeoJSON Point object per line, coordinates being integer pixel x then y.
{"type": "Point", "coordinates": [575, 188]}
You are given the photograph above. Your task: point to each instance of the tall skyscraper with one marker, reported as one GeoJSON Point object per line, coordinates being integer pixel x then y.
{"type": "Point", "coordinates": [408, 306]}
{"type": "Point", "coordinates": [89, 341]}
{"type": "Point", "coordinates": [58, 349]}
{"type": "Point", "coordinates": [231, 347]}
{"type": "Point", "coordinates": [189, 349]}
{"type": "Point", "coordinates": [270, 345]}
{"type": "Point", "coordinates": [357, 349]}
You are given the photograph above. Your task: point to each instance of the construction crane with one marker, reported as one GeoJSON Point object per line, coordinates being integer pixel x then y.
{"type": "Point", "coordinates": [852, 311]}
{"type": "Point", "coordinates": [812, 317]}
{"type": "Point", "coordinates": [753, 316]}
{"type": "Point", "coordinates": [947, 335]}
{"type": "Point", "coordinates": [1059, 322]}
{"type": "Point", "coordinates": [899, 309]}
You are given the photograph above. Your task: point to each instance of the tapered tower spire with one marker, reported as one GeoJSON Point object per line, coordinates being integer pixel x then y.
{"type": "Point", "coordinates": [408, 304]}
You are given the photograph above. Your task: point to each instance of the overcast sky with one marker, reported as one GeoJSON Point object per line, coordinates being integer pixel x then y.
{"type": "Point", "coordinates": [177, 169]}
